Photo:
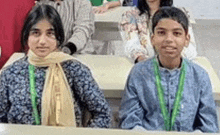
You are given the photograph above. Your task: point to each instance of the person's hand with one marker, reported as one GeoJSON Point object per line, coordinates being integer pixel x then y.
{"type": "Point", "coordinates": [69, 48]}
{"type": "Point", "coordinates": [100, 10]}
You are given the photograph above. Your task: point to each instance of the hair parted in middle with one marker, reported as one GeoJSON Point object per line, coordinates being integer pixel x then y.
{"type": "Point", "coordinates": [144, 7]}
{"type": "Point", "coordinates": [38, 13]}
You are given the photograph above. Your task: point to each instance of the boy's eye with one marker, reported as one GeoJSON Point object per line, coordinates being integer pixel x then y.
{"type": "Point", "coordinates": [161, 33]}
{"type": "Point", "coordinates": [177, 33]}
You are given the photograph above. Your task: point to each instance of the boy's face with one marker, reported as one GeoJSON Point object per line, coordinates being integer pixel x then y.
{"type": "Point", "coordinates": [169, 38]}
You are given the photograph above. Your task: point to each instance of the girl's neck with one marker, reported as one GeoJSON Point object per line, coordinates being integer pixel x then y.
{"type": "Point", "coordinates": [170, 63]}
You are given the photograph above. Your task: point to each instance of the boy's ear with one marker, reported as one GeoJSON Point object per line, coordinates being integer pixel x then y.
{"type": "Point", "coordinates": [187, 40]}
{"type": "Point", "coordinates": [152, 39]}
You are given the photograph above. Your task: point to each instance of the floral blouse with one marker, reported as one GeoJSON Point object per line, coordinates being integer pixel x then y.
{"type": "Point", "coordinates": [15, 103]}
{"type": "Point", "coordinates": [136, 31]}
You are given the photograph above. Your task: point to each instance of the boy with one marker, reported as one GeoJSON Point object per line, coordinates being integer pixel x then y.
{"type": "Point", "coordinates": [168, 92]}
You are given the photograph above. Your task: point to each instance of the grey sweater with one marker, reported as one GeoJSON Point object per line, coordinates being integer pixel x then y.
{"type": "Point", "coordinates": [77, 19]}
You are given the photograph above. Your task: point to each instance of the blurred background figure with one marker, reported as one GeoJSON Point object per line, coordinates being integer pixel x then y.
{"type": "Point", "coordinates": [136, 29]}
{"type": "Point", "coordinates": [13, 13]}
{"type": "Point", "coordinates": [78, 23]}
{"type": "Point", "coordinates": [102, 7]}
{"type": "Point", "coordinates": [103, 47]}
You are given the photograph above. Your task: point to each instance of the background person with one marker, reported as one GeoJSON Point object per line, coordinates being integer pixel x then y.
{"type": "Point", "coordinates": [136, 29]}
{"type": "Point", "coordinates": [78, 23]}
{"type": "Point", "coordinates": [104, 7]}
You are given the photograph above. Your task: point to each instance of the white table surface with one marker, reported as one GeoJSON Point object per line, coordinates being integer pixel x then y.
{"type": "Point", "coordinates": [106, 24]}
{"type": "Point", "coordinates": [113, 15]}
{"type": "Point", "coordinates": [110, 72]}
{"type": "Point", "coordinates": [12, 129]}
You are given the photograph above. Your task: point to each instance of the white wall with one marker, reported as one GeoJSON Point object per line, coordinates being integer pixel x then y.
{"type": "Point", "coordinates": [201, 9]}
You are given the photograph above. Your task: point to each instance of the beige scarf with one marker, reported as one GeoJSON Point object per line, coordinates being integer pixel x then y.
{"type": "Point", "coordinates": [57, 101]}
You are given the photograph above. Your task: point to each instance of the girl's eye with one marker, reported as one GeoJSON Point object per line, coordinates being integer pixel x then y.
{"type": "Point", "coordinates": [51, 34]}
{"type": "Point", "coordinates": [35, 33]}
{"type": "Point", "coordinates": [177, 34]}
{"type": "Point", "coordinates": [161, 33]}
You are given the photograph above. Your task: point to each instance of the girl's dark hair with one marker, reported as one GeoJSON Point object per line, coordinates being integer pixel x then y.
{"type": "Point", "coordinates": [171, 13]}
{"type": "Point", "coordinates": [144, 7]}
{"type": "Point", "coordinates": [38, 13]}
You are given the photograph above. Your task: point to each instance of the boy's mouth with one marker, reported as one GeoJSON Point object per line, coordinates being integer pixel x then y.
{"type": "Point", "coordinates": [169, 48]}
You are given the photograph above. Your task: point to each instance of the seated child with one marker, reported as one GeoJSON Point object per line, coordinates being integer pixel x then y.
{"type": "Point", "coordinates": [168, 92]}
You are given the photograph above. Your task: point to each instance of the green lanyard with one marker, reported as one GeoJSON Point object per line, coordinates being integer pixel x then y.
{"type": "Point", "coordinates": [33, 94]}
{"type": "Point", "coordinates": [169, 122]}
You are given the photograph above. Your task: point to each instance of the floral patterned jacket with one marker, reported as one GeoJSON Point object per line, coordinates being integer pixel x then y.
{"type": "Point", "coordinates": [15, 99]}
{"type": "Point", "coordinates": [136, 31]}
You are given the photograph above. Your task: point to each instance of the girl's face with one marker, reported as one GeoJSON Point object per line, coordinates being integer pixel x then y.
{"type": "Point", "coordinates": [42, 40]}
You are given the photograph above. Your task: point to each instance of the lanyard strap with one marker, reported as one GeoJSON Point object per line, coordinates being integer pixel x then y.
{"type": "Point", "coordinates": [169, 122]}
{"type": "Point", "coordinates": [33, 94]}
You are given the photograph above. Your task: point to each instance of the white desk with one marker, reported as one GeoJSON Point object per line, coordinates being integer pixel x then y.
{"type": "Point", "coordinates": [12, 129]}
{"type": "Point", "coordinates": [106, 24]}
{"type": "Point", "coordinates": [111, 72]}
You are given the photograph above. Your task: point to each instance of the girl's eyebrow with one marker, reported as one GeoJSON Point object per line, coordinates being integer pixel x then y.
{"type": "Point", "coordinates": [51, 29]}
{"type": "Point", "coordinates": [34, 29]}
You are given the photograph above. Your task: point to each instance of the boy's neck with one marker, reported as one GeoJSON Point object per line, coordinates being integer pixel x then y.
{"type": "Point", "coordinates": [170, 63]}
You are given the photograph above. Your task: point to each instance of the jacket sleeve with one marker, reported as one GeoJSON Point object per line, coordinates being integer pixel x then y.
{"type": "Point", "coordinates": [4, 99]}
{"type": "Point", "coordinates": [83, 25]}
{"type": "Point", "coordinates": [131, 112]}
{"type": "Point", "coordinates": [93, 98]}
{"type": "Point", "coordinates": [206, 118]}
{"type": "Point", "coordinates": [135, 34]}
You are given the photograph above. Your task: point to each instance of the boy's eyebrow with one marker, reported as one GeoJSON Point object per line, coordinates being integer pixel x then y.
{"type": "Point", "coordinates": [162, 28]}
{"type": "Point", "coordinates": [176, 29]}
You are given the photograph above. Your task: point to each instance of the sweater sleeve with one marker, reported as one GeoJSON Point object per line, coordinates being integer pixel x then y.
{"type": "Point", "coordinates": [135, 34]}
{"type": "Point", "coordinates": [84, 24]}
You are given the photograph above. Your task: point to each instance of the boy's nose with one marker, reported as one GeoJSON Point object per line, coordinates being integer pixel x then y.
{"type": "Point", "coordinates": [169, 37]}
